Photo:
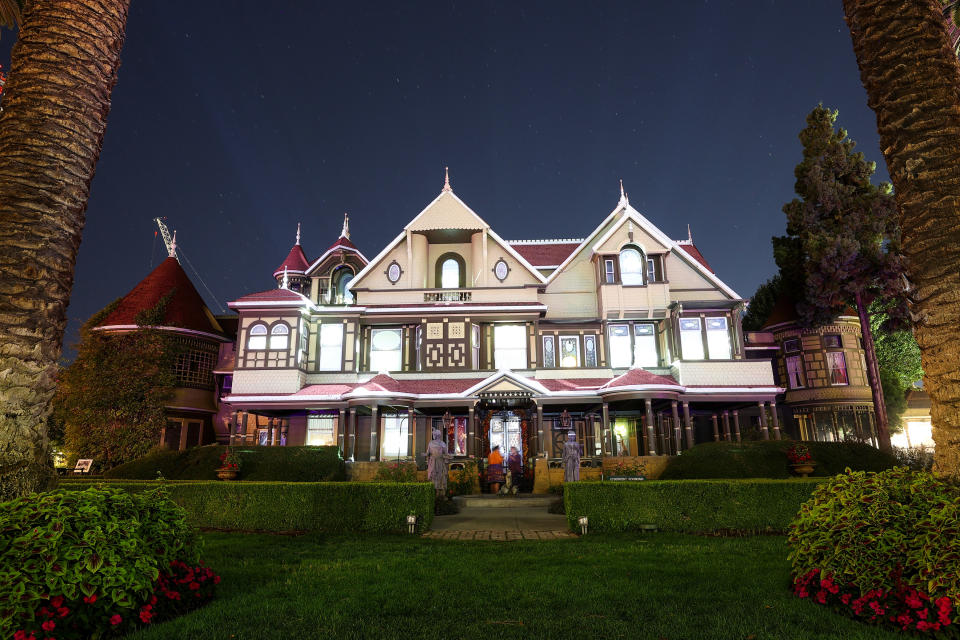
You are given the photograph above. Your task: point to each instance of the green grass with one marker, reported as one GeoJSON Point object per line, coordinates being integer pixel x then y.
{"type": "Point", "coordinates": [602, 586]}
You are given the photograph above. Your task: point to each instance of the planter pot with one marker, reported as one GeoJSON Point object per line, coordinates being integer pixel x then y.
{"type": "Point", "coordinates": [803, 469]}
{"type": "Point", "coordinates": [227, 474]}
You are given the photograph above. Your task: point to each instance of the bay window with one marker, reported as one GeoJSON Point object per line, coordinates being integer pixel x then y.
{"type": "Point", "coordinates": [510, 346]}
{"type": "Point", "coordinates": [691, 339]}
{"type": "Point", "coordinates": [257, 337]}
{"type": "Point", "coordinates": [386, 350]}
{"type": "Point", "coordinates": [645, 345]}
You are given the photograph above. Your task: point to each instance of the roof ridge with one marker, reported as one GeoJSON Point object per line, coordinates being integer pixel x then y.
{"type": "Point", "coordinates": [547, 241]}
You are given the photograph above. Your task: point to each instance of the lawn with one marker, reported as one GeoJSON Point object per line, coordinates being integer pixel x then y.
{"type": "Point", "coordinates": [602, 586]}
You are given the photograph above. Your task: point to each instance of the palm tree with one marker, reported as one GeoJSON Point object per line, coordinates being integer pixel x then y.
{"type": "Point", "coordinates": [910, 71]}
{"type": "Point", "coordinates": [56, 99]}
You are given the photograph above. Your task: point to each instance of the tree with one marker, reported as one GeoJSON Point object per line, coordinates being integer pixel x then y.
{"type": "Point", "coordinates": [898, 357]}
{"type": "Point", "coordinates": [912, 79]}
{"type": "Point", "coordinates": [112, 398]}
{"type": "Point", "coordinates": [56, 99]}
{"type": "Point", "coordinates": [842, 240]}
{"type": "Point", "coordinates": [762, 303]}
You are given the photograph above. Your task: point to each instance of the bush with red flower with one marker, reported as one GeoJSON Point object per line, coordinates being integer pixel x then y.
{"type": "Point", "coordinates": [799, 453]}
{"type": "Point", "coordinates": [883, 548]}
{"type": "Point", "coordinates": [96, 563]}
{"type": "Point", "coordinates": [229, 460]}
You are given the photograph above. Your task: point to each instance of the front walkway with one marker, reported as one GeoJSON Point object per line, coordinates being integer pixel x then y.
{"type": "Point", "coordinates": [501, 518]}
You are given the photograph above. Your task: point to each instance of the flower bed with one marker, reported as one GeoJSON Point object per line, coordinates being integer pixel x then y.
{"type": "Point", "coordinates": [82, 564]}
{"type": "Point", "coordinates": [882, 547]}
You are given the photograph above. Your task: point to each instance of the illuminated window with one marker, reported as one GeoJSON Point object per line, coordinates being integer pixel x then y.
{"type": "Point", "coordinates": [645, 345]}
{"type": "Point", "coordinates": [631, 266]}
{"type": "Point", "coordinates": [838, 367]}
{"type": "Point", "coordinates": [569, 351]}
{"type": "Point", "coordinates": [795, 377]}
{"type": "Point", "coordinates": [718, 339]}
{"type": "Point", "coordinates": [257, 337]}
{"type": "Point", "coordinates": [279, 336]}
{"type": "Point", "coordinates": [620, 352]}
{"type": "Point", "coordinates": [331, 346]}
{"type": "Point", "coordinates": [320, 431]}
{"type": "Point", "coordinates": [386, 350]}
{"type": "Point", "coordinates": [450, 274]}
{"type": "Point", "coordinates": [304, 342]}
{"type": "Point", "coordinates": [510, 346]}
{"type": "Point", "coordinates": [691, 340]}
{"type": "Point", "coordinates": [549, 355]}
{"type": "Point", "coordinates": [341, 279]}
{"type": "Point", "coordinates": [395, 431]}
{"type": "Point", "coordinates": [589, 351]}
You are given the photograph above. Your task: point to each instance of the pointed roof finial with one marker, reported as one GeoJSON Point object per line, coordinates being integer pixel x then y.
{"type": "Point", "coordinates": [446, 179]}
{"type": "Point", "coordinates": [345, 233]}
{"type": "Point", "coordinates": [298, 233]}
{"type": "Point", "coordinates": [689, 235]}
{"type": "Point", "coordinates": [286, 281]}
{"type": "Point", "coordinates": [623, 194]}
{"type": "Point", "coordinates": [621, 187]}
{"type": "Point", "coordinates": [173, 245]}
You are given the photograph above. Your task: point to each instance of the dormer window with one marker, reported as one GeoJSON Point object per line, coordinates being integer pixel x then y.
{"type": "Point", "coordinates": [257, 337]}
{"type": "Point", "coordinates": [451, 272]}
{"type": "Point", "coordinates": [279, 336]}
{"type": "Point", "coordinates": [341, 293]}
{"type": "Point", "coordinates": [632, 266]}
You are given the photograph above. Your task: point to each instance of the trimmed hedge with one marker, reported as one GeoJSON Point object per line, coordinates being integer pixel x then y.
{"type": "Point", "coordinates": [768, 459]}
{"type": "Point", "coordinates": [693, 506]}
{"type": "Point", "coordinates": [344, 507]}
{"type": "Point", "coordinates": [281, 464]}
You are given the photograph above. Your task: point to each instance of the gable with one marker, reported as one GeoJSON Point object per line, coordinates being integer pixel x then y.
{"type": "Point", "coordinates": [447, 211]}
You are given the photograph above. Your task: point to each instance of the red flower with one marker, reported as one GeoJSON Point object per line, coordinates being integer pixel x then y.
{"type": "Point", "coordinates": [145, 616]}
{"type": "Point", "coordinates": [90, 599]}
{"type": "Point", "coordinates": [216, 579]}
{"type": "Point", "coordinates": [115, 619]}
{"type": "Point", "coordinates": [56, 601]}
{"type": "Point", "coordinates": [48, 625]}
{"type": "Point", "coordinates": [63, 611]}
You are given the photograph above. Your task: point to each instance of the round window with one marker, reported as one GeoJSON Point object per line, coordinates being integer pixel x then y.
{"type": "Point", "coordinates": [393, 272]}
{"type": "Point", "coordinates": [501, 269]}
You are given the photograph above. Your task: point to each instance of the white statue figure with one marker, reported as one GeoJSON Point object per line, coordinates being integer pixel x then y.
{"type": "Point", "coordinates": [571, 458]}
{"type": "Point", "coordinates": [437, 462]}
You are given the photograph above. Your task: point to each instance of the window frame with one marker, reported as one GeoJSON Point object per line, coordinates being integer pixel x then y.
{"type": "Point", "coordinates": [576, 352]}
{"type": "Point", "coordinates": [336, 278]}
{"type": "Point", "coordinates": [370, 350]}
{"type": "Point", "coordinates": [656, 344]}
{"type": "Point", "coordinates": [610, 340]}
{"type": "Point", "coordinates": [788, 342]}
{"type": "Point", "coordinates": [829, 338]}
{"type": "Point", "coordinates": [318, 417]}
{"type": "Point", "coordinates": [801, 375]}
{"type": "Point", "coordinates": [726, 331]}
{"type": "Point", "coordinates": [591, 338]}
{"type": "Point", "coordinates": [526, 354]}
{"type": "Point", "coordinates": [831, 369]}
{"type": "Point", "coordinates": [700, 334]}
{"type": "Point", "coordinates": [643, 266]}
{"type": "Point", "coordinates": [279, 328]}
{"type": "Point", "coordinates": [438, 270]}
{"type": "Point", "coordinates": [610, 271]}
{"type": "Point", "coordinates": [265, 335]}
{"type": "Point", "coordinates": [321, 350]}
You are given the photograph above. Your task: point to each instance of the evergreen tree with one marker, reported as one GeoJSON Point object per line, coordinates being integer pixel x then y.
{"type": "Point", "coordinates": [762, 303]}
{"type": "Point", "coordinates": [842, 243]}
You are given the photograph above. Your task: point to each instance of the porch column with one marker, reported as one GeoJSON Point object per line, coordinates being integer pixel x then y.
{"type": "Point", "coordinates": [284, 431]}
{"type": "Point", "coordinates": [541, 443]}
{"type": "Point", "coordinates": [776, 420]}
{"type": "Point", "coordinates": [342, 431]}
{"type": "Point", "coordinates": [471, 430]}
{"type": "Point", "coordinates": [374, 433]}
{"type": "Point", "coordinates": [272, 426]}
{"type": "Point", "coordinates": [651, 435]}
{"type": "Point", "coordinates": [676, 423]}
{"type": "Point", "coordinates": [763, 420]}
{"type": "Point", "coordinates": [726, 426]}
{"type": "Point", "coordinates": [605, 429]}
{"type": "Point", "coordinates": [716, 430]}
{"type": "Point", "coordinates": [183, 435]}
{"type": "Point", "coordinates": [352, 428]}
{"type": "Point", "coordinates": [736, 424]}
{"type": "Point", "coordinates": [687, 424]}
{"type": "Point", "coordinates": [411, 433]}
{"type": "Point", "coordinates": [242, 427]}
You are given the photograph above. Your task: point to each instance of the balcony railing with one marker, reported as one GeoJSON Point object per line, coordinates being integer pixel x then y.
{"type": "Point", "coordinates": [447, 296]}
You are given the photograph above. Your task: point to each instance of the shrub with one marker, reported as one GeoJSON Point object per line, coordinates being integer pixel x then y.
{"type": "Point", "coordinates": [768, 459]}
{"type": "Point", "coordinates": [78, 564]}
{"type": "Point", "coordinates": [287, 464]}
{"type": "Point", "coordinates": [884, 547]}
{"type": "Point", "coordinates": [687, 505]}
{"type": "Point", "coordinates": [397, 472]}
{"type": "Point", "coordinates": [347, 507]}
{"type": "Point", "coordinates": [465, 480]}
{"type": "Point", "coordinates": [915, 459]}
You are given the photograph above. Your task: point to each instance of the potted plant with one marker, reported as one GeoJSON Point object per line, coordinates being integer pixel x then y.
{"type": "Point", "coordinates": [800, 459]}
{"type": "Point", "coordinates": [229, 465]}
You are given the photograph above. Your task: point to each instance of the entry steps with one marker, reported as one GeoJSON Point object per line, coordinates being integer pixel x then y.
{"type": "Point", "coordinates": [523, 501]}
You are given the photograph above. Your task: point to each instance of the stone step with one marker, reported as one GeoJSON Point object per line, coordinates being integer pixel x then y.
{"type": "Point", "coordinates": [504, 502]}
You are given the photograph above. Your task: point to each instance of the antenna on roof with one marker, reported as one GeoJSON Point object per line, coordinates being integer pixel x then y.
{"type": "Point", "coordinates": [446, 179]}
{"type": "Point", "coordinates": [298, 233]}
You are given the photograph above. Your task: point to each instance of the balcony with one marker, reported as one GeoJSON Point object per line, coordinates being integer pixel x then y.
{"type": "Point", "coordinates": [447, 296]}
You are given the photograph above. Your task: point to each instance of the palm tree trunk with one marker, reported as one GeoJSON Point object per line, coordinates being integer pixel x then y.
{"type": "Point", "coordinates": [873, 376]}
{"type": "Point", "coordinates": [912, 80]}
{"type": "Point", "coordinates": [63, 68]}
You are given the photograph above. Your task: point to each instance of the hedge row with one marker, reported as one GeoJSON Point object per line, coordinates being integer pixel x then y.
{"type": "Point", "coordinates": [342, 507]}
{"type": "Point", "coordinates": [768, 459]}
{"type": "Point", "coordinates": [693, 506]}
{"type": "Point", "coordinates": [282, 464]}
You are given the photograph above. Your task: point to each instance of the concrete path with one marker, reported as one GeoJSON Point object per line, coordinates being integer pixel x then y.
{"type": "Point", "coordinates": [501, 518]}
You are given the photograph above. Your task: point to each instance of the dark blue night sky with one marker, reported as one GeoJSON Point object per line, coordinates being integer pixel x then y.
{"type": "Point", "coordinates": [238, 124]}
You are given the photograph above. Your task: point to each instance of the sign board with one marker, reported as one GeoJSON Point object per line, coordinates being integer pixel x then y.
{"type": "Point", "coordinates": [626, 478]}
{"type": "Point", "coordinates": [83, 465]}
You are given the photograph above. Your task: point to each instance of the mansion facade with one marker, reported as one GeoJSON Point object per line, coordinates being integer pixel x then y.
{"type": "Point", "coordinates": [626, 337]}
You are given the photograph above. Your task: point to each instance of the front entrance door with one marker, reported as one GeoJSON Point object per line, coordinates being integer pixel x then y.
{"type": "Point", "coordinates": [505, 431]}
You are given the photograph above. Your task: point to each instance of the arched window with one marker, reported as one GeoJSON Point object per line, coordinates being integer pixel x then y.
{"type": "Point", "coordinates": [341, 278]}
{"type": "Point", "coordinates": [257, 337]}
{"type": "Point", "coordinates": [451, 272]}
{"type": "Point", "coordinates": [279, 336]}
{"type": "Point", "coordinates": [632, 266]}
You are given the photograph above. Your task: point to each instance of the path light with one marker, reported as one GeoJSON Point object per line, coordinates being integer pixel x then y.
{"type": "Point", "coordinates": [412, 523]}
{"type": "Point", "coordinates": [582, 521]}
